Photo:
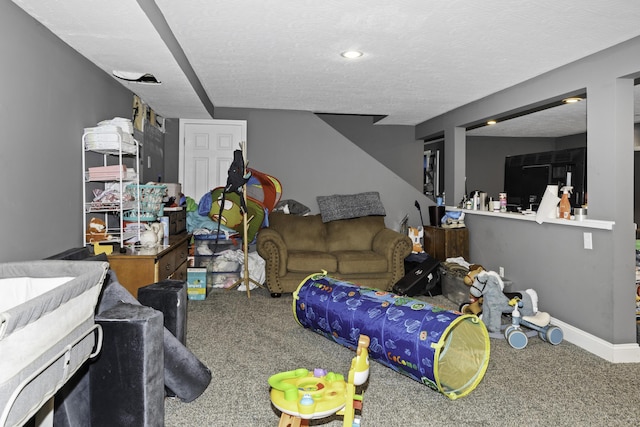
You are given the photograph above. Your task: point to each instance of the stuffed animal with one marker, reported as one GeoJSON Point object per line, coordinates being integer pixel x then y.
{"type": "Point", "coordinates": [474, 306]}
{"type": "Point", "coordinates": [152, 236]}
{"type": "Point", "coordinates": [489, 286]}
{"type": "Point", "coordinates": [416, 235]}
{"type": "Point", "coordinates": [453, 219]}
{"type": "Point", "coordinates": [97, 231]}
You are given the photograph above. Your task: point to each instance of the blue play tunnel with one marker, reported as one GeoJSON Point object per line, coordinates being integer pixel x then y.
{"type": "Point", "coordinates": [445, 350]}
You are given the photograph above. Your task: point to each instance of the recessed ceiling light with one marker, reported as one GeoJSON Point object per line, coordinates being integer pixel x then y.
{"type": "Point", "coordinates": [491, 122]}
{"type": "Point", "coordinates": [572, 100]}
{"type": "Point", "coordinates": [351, 54]}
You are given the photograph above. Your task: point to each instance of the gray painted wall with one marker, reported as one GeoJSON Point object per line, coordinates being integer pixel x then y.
{"type": "Point", "coordinates": [49, 94]}
{"type": "Point", "coordinates": [591, 289]}
{"type": "Point", "coordinates": [574, 284]}
{"type": "Point", "coordinates": [392, 145]}
{"type": "Point", "coordinates": [312, 159]}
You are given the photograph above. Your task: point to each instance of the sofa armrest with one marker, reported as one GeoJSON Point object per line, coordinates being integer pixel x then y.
{"type": "Point", "coordinates": [395, 247]}
{"type": "Point", "coordinates": [272, 248]}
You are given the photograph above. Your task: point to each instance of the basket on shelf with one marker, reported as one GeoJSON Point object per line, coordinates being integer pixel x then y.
{"type": "Point", "coordinates": [150, 201]}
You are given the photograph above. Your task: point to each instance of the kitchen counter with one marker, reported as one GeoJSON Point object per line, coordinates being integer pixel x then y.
{"type": "Point", "coordinates": [587, 223]}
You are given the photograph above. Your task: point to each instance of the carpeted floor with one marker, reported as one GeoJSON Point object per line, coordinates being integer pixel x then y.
{"type": "Point", "coordinates": [245, 340]}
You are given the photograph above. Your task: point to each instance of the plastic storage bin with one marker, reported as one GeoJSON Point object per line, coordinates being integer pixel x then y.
{"type": "Point", "coordinates": [452, 281]}
{"type": "Point", "coordinates": [453, 286]}
{"type": "Point", "coordinates": [223, 279]}
{"type": "Point", "coordinates": [222, 272]}
{"type": "Point", "coordinates": [205, 245]}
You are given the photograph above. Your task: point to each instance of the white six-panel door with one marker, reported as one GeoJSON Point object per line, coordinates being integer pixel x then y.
{"type": "Point", "coordinates": [206, 152]}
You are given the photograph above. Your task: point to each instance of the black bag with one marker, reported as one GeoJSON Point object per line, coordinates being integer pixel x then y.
{"type": "Point", "coordinates": [423, 279]}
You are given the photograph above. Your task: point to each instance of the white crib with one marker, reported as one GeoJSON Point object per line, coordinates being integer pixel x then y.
{"type": "Point", "coordinates": [47, 331]}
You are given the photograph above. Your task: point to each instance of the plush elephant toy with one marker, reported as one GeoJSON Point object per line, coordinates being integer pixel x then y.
{"type": "Point", "coordinates": [489, 286]}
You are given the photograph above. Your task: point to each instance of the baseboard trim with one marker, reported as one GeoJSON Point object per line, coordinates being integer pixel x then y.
{"type": "Point", "coordinates": [614, 353]}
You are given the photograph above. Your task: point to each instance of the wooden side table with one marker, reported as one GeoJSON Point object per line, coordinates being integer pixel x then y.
{"type": "Point", "coordinates": [442, 243]}
{"type": "Point", "coordinates": [143, 266]}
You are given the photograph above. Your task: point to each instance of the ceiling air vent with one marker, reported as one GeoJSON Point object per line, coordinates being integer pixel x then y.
{"type": "Point", "coordinates": [135, 77]}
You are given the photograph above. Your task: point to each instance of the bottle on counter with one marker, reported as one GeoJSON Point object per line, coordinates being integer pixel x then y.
{"type": "Point", "coordinates": [565, 205]}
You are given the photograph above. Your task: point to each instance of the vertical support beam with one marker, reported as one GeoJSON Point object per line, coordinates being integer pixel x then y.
{"type": "Point", "coordinates": [610, 170]}
{"type": "Point", "coordinates": [455, 153]}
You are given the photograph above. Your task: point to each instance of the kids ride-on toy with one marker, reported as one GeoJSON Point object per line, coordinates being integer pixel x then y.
{"type": "Point", "coordinates": [518, 339]}
{"type": "Point", "coordinates": [302, 395]}
{"type": "Point", "coordinates": [490, 302]}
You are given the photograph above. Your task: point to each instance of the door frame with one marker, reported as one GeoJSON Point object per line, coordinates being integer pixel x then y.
{"type": "Point", "coordinates": [181, 136]}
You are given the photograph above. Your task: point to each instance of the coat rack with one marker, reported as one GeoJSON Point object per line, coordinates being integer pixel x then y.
{"type": "Point", "coordinates": [245, 227]}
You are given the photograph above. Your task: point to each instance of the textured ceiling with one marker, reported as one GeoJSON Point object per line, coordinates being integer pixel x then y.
{"type": "Point", "coordinates": [563, 120]}
{"type": "Point", "coordinates": [421, 58]}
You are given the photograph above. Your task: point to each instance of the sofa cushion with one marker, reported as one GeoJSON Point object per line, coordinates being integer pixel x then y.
{"type": "Point", "coordinates": [300, 233]}
{"type": "Point", "coordinates": [350, 262]}
{"type": "Point", "coordinates": [353, 234]}
{"type": "Point", "coordinates": [311, 261]}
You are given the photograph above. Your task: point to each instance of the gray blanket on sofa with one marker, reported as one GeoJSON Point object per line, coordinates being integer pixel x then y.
{"type": "Point", "coordinates": [347, 206]}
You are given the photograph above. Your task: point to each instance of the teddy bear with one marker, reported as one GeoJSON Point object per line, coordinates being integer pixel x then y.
{"type": "Point", "coordinates": [474, 306]}
{"type": "Point", "coordinates": [97, 231]}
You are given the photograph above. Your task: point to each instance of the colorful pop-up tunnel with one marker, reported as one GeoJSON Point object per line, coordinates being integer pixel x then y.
{"type": "Point", "coordinates": [446, 350]}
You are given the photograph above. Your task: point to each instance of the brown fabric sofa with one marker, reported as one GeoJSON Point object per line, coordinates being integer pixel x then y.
{"type": "Point", "coordinates": [359, 250]}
